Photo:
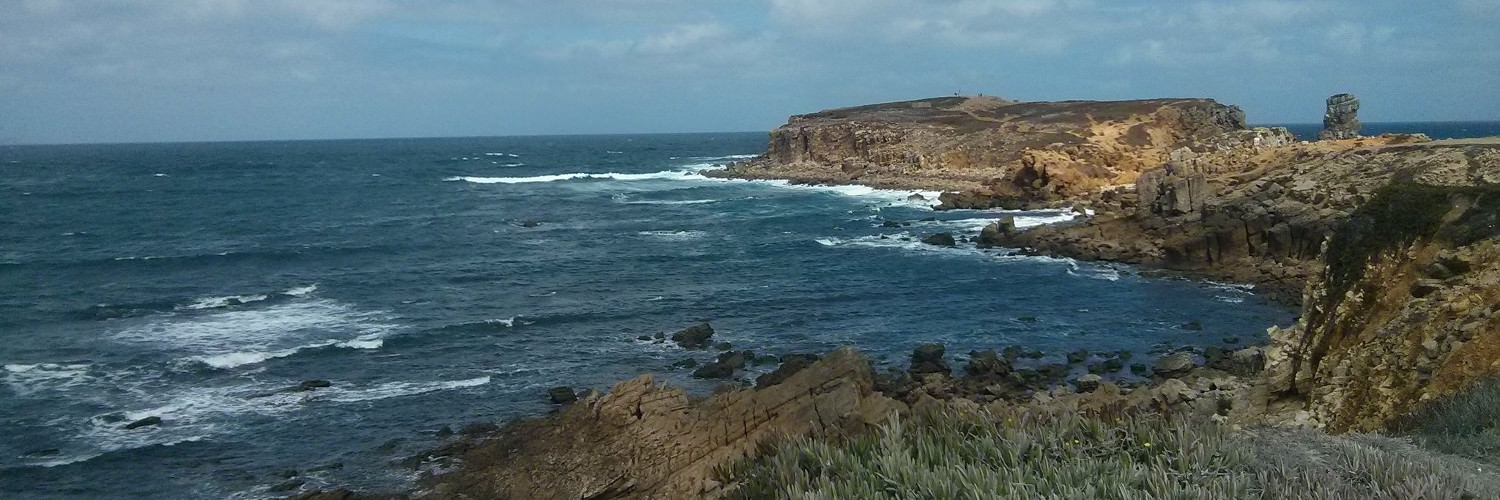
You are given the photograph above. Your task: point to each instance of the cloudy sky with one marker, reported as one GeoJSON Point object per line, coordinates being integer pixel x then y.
{"type": "Point", "coordinates": [170, 70]}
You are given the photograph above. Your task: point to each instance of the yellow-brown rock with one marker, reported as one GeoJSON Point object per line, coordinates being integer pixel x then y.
{"type": "Point", "coordinates": [643, 440]}
{"type": "Point", "coordinates": [1023, 151]}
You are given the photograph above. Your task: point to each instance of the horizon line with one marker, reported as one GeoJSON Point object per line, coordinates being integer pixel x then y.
{"type": "Point", "coordinates": [605, 134]}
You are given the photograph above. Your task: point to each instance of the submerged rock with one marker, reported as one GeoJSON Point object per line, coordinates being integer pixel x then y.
{"type": "Point", "coordinates": [150, 421]}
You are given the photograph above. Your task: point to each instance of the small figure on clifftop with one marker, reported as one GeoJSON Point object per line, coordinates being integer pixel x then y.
{"type": "Point", "coordinates": [1341, 121]}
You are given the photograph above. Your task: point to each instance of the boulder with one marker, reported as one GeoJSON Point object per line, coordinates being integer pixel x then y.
{"type": "Point", "coordinates": [940, 239]}
{"type": "Point", "coordinates": [685, 363]}
{"type": "Point", "coordinates": [994, 235]}
{"type": "Point", "coordinates": [561, 395]}
{"type": "Point", "coordinates": [790, 365]}
{"type": "Point", "coordinates": [716, 370]}
{"type": "Point", "coordinates": [987, 365]}
{"type": "Point", "coordinates": [735, 359]}
{"type": "Point", "coordinates": [1175, 365]}
{"type": "Point", "coordinates": [928, 358]}
{"type": "Point", "coordinates": [1087, 382]}
{"type": "Point", "coordinates": [694, 337]}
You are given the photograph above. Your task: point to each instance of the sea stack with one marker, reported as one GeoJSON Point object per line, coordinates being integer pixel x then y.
{"type": "Point", "coordinates": [1341, 121]}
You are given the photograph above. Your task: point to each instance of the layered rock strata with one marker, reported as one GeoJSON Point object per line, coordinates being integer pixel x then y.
{"type": "Point", "coordinates": [643, 440]}
{"type": "Point", "coordinates": [988, 151]}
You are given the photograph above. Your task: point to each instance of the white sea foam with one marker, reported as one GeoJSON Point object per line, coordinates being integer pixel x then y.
{"type": "Point", "coordinates": [301, 291]}
{"type": "Point", "coordinates": [1093, 271]}
{"type": "Point", "coordinates": [693, 173]}
{"type": "Point", "coordinates": [27, 379]}
{"type": "Point", "coordinates": [401, 389]}
{"type": "Point", "coordinates": [663, 175]}
{"type": "Point", "coordinates": [720, 158]}
{"type": "Point", "coordinates": [674, 235]}
{"type": "Point", "coordinates": [228, 360]}
{"type": "Point", "coordinates": [229, 338]}
{"type": "Point", "coordinates": [217, 302]}
{"type": "Point", "coordinates": [508, 322]}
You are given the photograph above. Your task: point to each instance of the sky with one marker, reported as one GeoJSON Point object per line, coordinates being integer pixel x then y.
{"type": "Point", "coordinates": [74, 71]}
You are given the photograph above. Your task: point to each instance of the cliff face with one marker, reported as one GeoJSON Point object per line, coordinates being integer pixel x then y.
{"type": "Point", "coordinates": [987, 147]}
{"type": "Point", "coordinates": [1407, 308]}
{"type": "Point", "coordinates": [647, 441]}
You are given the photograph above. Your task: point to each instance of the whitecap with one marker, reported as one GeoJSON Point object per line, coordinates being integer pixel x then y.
{"type": "Point", "coordinates": [400, 389]}
{"type": "Point", "coordinates": [680, 235]}
{"type": "Point", "coordinates": [158, 174]}
{"type": "Point", "coordinates": [225, 301]}
{"type": "Point", "coordinates": [229, 338]}
{"type": "Point", "coordinates": [301, 291]}
{"type": "Point", "coordinates": [508, 322]}
{"type": "Point", "coordinates": [1098, 272]}
{"type": "Point", "coordinates": [31, 378]}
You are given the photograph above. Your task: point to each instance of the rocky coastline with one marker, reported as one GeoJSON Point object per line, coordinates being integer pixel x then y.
{"type": "Point", "coordinates": [1391, 245]}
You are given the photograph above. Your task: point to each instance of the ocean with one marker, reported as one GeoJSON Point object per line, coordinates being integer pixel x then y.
{"type": "Point", "coordinates": [438, 282]}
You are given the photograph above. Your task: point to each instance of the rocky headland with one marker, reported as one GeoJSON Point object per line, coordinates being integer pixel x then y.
{"type": "Point", "coordinates": [986, 151]}
{"type": "Point", "coordinates": [1391, 243]}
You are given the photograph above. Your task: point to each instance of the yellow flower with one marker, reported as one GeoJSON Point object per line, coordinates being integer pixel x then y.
{"type": "Point", "coordinates": [1148, 444]}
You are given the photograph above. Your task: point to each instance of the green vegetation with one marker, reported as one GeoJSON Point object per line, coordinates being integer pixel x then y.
{"type": "Point", "coordinates": [1401, 213]}
{"type": "Point", "coordinates": [1466, 424]}
{"type": "Point", "coordinates": [948, 455]}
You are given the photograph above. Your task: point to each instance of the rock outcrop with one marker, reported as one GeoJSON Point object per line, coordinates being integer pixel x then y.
{"type": "Point", "coordinates": [990, 152]}
{"type": "Point", "coordinates": [643, 440]}
{"type": "Point", "coordinates": [1407, 308]}
{"type": "Point", "coordinates": [1341, 121]}
{"type": "Point", "coordinates": [1262, 218]}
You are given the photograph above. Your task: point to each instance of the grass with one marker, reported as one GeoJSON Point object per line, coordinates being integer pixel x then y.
{"type": "Point", "coordinates": [1031, 454]}
{"type": "Point", "coordinates": [1466, 424]}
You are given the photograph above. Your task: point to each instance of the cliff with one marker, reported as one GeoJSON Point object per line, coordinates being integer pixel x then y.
{"type": "Point", "coordinates": [988, 151]}
{"type": "Point", "coordinates": [1407, 308]}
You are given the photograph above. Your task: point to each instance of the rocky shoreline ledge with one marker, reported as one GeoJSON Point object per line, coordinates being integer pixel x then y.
{"type": "Point", "coordinates": [1392, 244]}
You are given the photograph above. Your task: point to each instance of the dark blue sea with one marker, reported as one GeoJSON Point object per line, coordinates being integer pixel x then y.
{"type": "Point", "coordinates": [439, 282]}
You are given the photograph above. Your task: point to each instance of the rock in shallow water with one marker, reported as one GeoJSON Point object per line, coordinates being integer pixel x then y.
{"type": "Point", "coordinates": [694, 337]}
{"type": "Point", "coordinates": [561, 395]}
{"type": "Point", "coordinates": [1175, 364]}
{"type": "Point", "coordinates": [928, 358]}
{"type": "Point", "coordinates": [940, 239]}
